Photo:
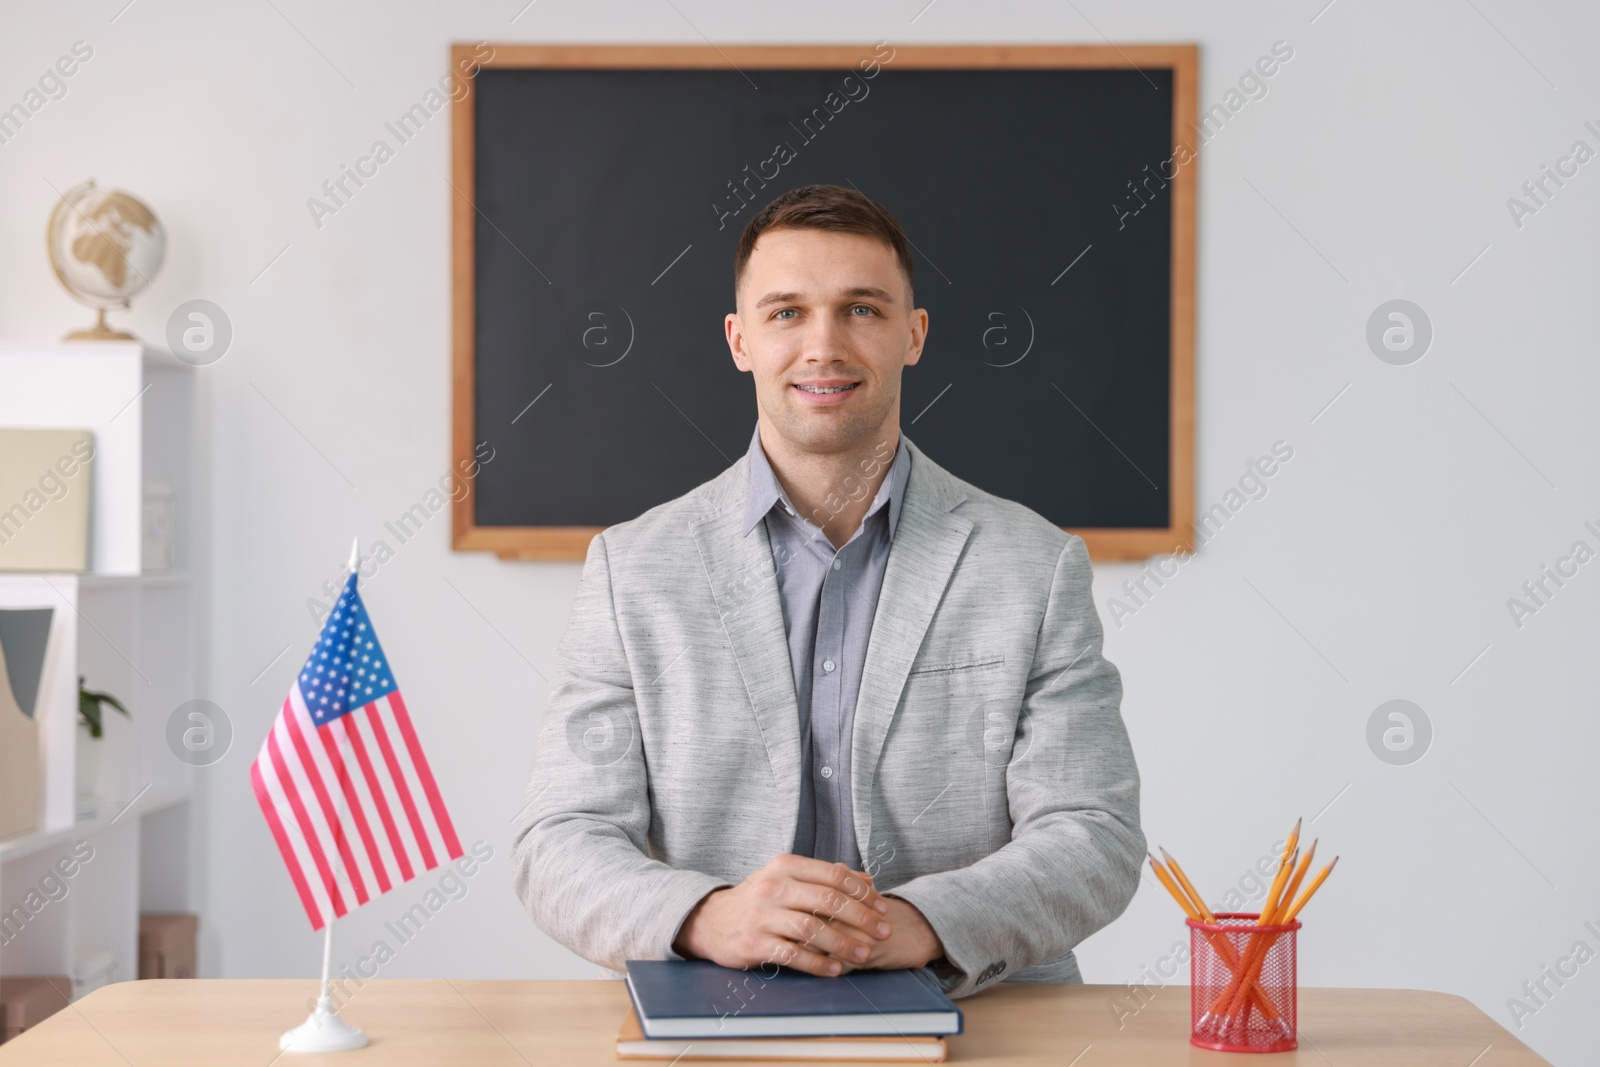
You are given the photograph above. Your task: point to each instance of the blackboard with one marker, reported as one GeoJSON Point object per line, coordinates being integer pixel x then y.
{"type": "Point", "coordinates": [599, 193]}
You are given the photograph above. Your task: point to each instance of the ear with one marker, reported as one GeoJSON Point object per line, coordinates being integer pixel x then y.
{"type": "Point", "coordinates": [919, 335]}
{"type": "Point", "coordinates": [736, 341]}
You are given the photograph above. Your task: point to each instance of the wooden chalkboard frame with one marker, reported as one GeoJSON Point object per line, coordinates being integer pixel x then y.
{"type": "Point", "coordinates": [571, 542]}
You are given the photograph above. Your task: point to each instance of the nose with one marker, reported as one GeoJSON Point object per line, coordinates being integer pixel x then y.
{"type": "Point", "coordinates": [824, 341]}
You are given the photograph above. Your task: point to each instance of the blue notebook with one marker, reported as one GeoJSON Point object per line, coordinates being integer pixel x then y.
{"type": "Point", "coordinates": [701, 999]}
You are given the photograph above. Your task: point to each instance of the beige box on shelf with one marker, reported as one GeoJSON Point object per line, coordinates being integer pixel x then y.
{"type": "Point", "coordinates": [167, 944]}
{"type": "Point", "coordinates": [27, 1000]}
{"type": "Point", "coordinates": [45, 480]}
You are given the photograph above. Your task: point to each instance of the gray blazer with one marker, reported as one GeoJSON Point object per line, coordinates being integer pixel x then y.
{"type": "Point", "coordinates": [993, 783]}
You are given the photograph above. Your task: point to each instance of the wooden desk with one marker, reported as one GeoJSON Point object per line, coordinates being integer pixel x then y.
{"type": "Point", "coordinates": [437, 1023]}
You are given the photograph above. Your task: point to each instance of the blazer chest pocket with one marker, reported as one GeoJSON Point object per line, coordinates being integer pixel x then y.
{"type": "Point", "coordinates": [960, 663]}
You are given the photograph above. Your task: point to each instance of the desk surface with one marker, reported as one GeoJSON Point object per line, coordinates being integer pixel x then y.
{"type": "Point", "coordinates": [437, 1023]}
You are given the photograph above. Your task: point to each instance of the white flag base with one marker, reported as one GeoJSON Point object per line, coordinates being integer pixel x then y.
{"type": "Point", "coordinates": [323, 1031]}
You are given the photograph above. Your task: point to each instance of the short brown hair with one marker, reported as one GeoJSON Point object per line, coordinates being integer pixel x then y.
{"type": "Point", "coordinates": [825, 207]}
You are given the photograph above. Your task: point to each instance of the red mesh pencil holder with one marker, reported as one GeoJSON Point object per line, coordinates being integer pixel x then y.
{"type": "Point", "coordinates": [1242, 992]}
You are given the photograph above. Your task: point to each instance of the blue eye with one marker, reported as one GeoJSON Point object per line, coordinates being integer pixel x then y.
{"type": "Point", "coordinates": [863, 307]}
{"type": "Point", "coordinates": [782, 311]}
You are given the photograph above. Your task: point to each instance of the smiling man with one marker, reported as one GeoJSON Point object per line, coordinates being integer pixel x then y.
{"type": "Point", "coordinates": [835, 708]}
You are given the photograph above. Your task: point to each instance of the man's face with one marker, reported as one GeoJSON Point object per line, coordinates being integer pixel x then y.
{"type": "Point", "coordinates": [825, 309]}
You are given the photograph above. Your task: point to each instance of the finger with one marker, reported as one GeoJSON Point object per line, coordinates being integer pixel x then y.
{"type": "Point", "coordinates": [861, 887]}
{"type": "Point", "coordinates": [823, 937]}
{"type": "Point", "coordinates": [870, 937]}
{"type": "Point", "coordinates": [835, 906]}
{"type": "Point", "coordinates": [855, 940]}
{"type": "Point", "coordinates": [854, 884]}
{"type": "Point", "coordinates": [803, 959]}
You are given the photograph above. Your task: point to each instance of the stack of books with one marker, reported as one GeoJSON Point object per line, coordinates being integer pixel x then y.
{"type": "Point", "coordinates": [698, 1010]}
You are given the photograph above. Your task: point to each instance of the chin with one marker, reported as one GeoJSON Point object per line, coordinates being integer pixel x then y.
{"type": "Point", "coordinates": [826, 431]}
{"type": "Point", "coordinates": [829, 429]}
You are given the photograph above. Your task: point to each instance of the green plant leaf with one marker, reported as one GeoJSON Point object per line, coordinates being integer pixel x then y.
{"type": "Point", "coordinates": [90, 708]}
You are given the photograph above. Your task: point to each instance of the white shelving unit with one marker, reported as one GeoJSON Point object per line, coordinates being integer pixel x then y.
{"type": "Point", "coordinates": [129, 633]}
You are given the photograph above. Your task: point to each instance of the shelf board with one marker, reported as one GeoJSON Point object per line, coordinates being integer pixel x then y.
{"type": "Point", "coordinates": [159, 798]}
{"type": "Point", "coordinates": [88, 580]}
{"type": "Point", "coordinates": [133, 581]}
{"type": "Point", "coordinates": [156, 798]}
{"type": "Point", "coordinates": [27, 844]}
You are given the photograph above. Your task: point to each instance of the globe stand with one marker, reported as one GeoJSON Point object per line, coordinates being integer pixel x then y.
{"type": "Point", "coordinates": [100, 331]}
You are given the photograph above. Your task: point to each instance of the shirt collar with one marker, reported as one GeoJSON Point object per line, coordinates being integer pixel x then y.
{"type": "Point", "coordinates": [765, 492]}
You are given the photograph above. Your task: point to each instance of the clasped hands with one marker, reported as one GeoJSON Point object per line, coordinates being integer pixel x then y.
{"type": "Point", "coordinates": [818, 917]}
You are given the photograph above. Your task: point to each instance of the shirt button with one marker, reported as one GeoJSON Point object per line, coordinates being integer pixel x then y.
{"type": "Point", "coordinates": [836, 564]}
{"type": "Point", "coordinates": [828, 665]}
{"type": "Point", "coordinates": [827, 772]}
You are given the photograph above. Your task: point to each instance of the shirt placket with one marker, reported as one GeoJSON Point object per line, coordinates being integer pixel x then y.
{"type": "Point", "coordinates": [827, 698]}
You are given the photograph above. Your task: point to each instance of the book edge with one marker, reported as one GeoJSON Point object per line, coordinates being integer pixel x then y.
{"type": "Point", "coordinates": [939, 1052]}
{"type": "Point", "coordinates": [630, 1031]}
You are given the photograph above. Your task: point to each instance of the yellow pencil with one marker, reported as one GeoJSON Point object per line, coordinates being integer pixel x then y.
{"type": "Point", "coordinates": [1183, 880]}
{"type": "Point", "coordinates": [1316, 882]}
{"type": "Point", "coordinates": [1172, 887]}
{"type": "Point", "coordinates": [1294, 838]}
{"type": "Point", "coordinates": [1294, 883]}
{"type": "Point", "coordinates": [1285, 864]}
{"type": "Point", "coordinates": [1270, 906]}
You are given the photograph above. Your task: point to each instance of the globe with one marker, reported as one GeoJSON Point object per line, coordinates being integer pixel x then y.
{"type": "Point", "coordinates": [105, 246]}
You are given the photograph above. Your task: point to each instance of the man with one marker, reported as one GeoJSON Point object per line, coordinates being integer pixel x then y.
{"type": "Point", "coordinates": [835, 708]}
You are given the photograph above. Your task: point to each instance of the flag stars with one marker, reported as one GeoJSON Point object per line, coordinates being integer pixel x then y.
{"type": "Point", "coordinates": [346, 667]}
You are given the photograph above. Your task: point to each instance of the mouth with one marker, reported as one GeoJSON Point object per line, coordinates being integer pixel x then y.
{"type": "Point", "coordinates": [824, 389]}
{"type": "Point", "coordinates": [826, 392]}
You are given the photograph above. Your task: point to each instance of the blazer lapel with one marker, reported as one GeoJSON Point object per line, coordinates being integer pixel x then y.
{"type": "Point", "coordinates": [927, 543]}
{"type": "Point", "coordinates": [744, 584]}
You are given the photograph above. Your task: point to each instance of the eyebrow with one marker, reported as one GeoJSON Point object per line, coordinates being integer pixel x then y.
{"type": "Point", "coordinates": [858, 291]}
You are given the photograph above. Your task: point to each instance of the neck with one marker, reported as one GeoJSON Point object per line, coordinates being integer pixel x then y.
{"type": "Point", "coordinates": [833, 489]}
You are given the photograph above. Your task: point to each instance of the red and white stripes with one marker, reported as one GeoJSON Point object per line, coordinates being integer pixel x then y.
{"type": "Point", "coordinates": [352, 805]}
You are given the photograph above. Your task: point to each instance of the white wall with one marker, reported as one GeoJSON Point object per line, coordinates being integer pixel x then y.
{"type": "Point", "coordinates": [1378, 566]}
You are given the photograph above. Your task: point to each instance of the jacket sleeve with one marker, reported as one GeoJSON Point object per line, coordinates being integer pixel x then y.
{"type": "Point", "coordinates": [579, 854]}
{"type": "Point", "coordinates": [1072, 864]}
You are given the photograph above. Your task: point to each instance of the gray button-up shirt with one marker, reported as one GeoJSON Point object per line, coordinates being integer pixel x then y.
{"type": "Point", "coordinates": [829, 599]}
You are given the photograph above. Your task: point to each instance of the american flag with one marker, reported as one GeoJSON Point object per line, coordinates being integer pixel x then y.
{"type": "Point", "coordinates": [341, 779]}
